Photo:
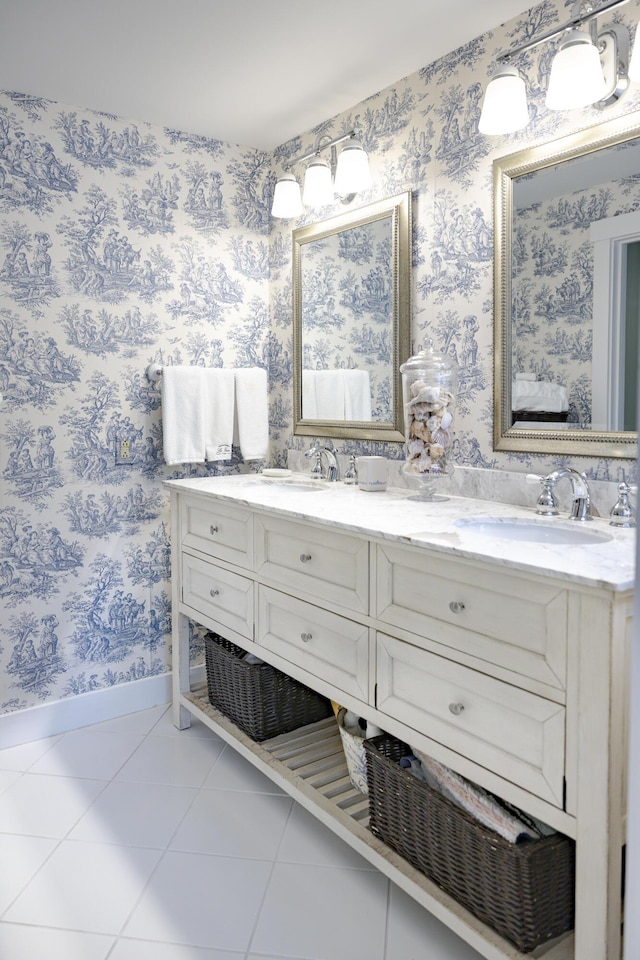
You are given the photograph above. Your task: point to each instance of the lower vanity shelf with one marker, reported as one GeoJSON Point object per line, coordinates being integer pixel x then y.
{"type": "Point", "coordinates": [309, 764]}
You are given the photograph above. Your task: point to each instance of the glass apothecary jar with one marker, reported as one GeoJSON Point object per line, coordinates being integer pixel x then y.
{"type": "Point", "coordinates": [429, 384]}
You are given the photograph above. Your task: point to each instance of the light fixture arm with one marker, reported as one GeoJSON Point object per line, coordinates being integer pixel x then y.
{"type": "Point", "coordinates": [343, 176]}
{"type": "Point", "coordinates": [576, 21]}
{"type": "Point", "coordinates": [332, 143]}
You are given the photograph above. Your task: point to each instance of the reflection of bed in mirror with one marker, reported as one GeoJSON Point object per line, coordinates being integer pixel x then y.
{"type": "Point", "coordinates": [538, 403]}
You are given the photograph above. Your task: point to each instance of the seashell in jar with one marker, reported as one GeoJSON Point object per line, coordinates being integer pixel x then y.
{"type": "Point", "coordinates": [446, 420]}
{"type": "Point", "coordinates": [415, 448]}
{"type": "Point", "coordinates": [419, 465]}
{"type": "Point", "coordinates": [419, 410]}
{"type": "Point", "coordinates": [436, 450]}
{"type": "Point", "coordinates": [424, 463]}
{"type": "Point", "coordinates": [419, 429]}
{"type": "Point", "coordinates": [441, 437]}
{"type": "Point", "coordinates": [434, 423]}
{"type": "Point", "coordinates": [416, 387]}
{"type": "Point", "coordinates": [430, 394]}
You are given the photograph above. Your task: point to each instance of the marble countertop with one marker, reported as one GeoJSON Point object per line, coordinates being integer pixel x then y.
{"type": "Point", "coordinates": [393, 515]}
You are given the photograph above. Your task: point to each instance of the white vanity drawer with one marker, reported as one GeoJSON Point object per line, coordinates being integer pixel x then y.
{"type": "Point", "coordinates": [219, 530]}
{"type": "Point", "coordinates": [328, 646]}
{"type": "Point", "coordinates": [218, 593]}
{"type": "Point", "coordinates": [515, 623]}
{"type": "Point", "coordinates": [319, 562]}
{"type": "Point", "coordinates": [514, 733]}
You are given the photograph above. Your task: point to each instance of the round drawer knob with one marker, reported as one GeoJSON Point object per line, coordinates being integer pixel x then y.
{"type": "Point", "coordinates": [456, 708]}
{"type": "Point", "coordinates": [456, 606]}
{"type": "Point", "coordinates": [305, 637]}
{"type": "Point", "coordinates": [213, 529]}
{"type": "Point", "coordinates": [305, 557]}
{"type": "Point", "coordinates": [213, 593]}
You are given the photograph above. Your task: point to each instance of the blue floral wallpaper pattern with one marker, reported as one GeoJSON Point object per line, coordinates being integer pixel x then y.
{"type": "Point", "coordinates": [346, 304]}
{"type": "Point", "coordinates": [553, 286]}
{"type": "Point", "coordinates": [122, 243]}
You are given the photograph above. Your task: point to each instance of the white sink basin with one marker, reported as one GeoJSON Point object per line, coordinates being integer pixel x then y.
{"type": "Point", "coordinates": [303, 484]}
{"type": "Point", "coordinates": [549, 531]}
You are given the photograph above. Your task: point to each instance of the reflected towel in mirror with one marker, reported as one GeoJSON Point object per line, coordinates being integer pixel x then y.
{"type": "Point", "coordinates": [336, 395]}
{"type": "Point", "coordinates": [539, 395]}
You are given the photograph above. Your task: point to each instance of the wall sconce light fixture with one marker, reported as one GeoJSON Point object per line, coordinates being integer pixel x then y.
{"type": "Point", "coordinates": [591, 68]}
{"type": "Point", "coordinates": [343, 175]}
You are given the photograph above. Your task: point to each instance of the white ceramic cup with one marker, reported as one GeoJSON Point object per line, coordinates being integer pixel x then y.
{"type": "Point", "coordinates": [373, 473]}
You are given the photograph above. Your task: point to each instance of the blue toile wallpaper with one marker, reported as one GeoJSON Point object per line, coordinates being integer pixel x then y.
{"type": "Point", "coordinates": [553, 286]}
{"type": "Point", "coordinates": [346, 304]}
{"type": "Point", "coordinates": [122, 243]}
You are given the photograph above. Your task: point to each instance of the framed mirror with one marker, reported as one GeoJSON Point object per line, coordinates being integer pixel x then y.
{"type": "Point", "coordinates": [567, 294]}
{"type": "Point", "coordinates": [351, 322]}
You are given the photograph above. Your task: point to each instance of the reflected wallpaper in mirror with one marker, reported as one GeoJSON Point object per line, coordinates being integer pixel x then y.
{"type": "Point", "coordinates": [567, 294]}
{"type": "Point", "coordinates": [351, 285]}
{"type": "Point", "coordinates": [347, 325]}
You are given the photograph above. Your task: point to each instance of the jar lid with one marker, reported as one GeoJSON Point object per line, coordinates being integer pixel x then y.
{"type": "Point", "coordinates": [428, 359]}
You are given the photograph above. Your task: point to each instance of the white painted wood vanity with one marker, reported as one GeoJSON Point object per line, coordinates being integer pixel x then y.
{"type": "Point", "coordinates": [508, 661]}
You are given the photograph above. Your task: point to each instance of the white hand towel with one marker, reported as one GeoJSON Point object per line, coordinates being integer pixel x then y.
{"type": "Point", "coordinates": [357, 395]}
{"type": "Point", "coordinates": [309, 401]}
{"type": "Point", "coordinates": [252, 412]}
{"type": "Point", "coordinates": [183, 414]}
{"type": "Point", "coordinates": [330, 394]}
{"type": "Point", "coordinates": [219, 400]}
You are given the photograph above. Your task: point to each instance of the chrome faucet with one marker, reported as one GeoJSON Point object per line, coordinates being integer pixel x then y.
{"type": "Point", "coordinates": [331, 463]}
{"type": "Point", "coordinates": [547, 505]}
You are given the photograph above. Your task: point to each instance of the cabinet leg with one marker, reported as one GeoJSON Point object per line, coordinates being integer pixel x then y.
{"type": "Point", "coordinates": [181, 716]}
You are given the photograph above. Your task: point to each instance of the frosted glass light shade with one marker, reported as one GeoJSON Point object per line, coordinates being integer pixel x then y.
{"type": "Point", "coordinates": [352, 170]}
{"type": "Point", "coordinates": [318, 188]}
{"type": "Point", "coordinates": [576, 79]}
{"type": "Point", "coordinates": [505, 104]}
{"type": "Point", "coordinates": [634, 63]}
{"type": "Point", "coordinates": [287, 202]}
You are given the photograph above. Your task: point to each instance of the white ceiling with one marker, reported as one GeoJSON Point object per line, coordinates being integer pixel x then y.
{"type": "Point", "coordinates": [251, 72]}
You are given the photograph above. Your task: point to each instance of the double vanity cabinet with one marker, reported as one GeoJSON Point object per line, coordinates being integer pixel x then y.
{"type": "Point", "coordinates": [506, 661]}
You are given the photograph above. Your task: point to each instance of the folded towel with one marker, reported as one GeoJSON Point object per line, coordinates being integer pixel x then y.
{"type": "Point", "coordinates": [252, 412]}
{"type": "Point", "coordinates": [183, 414]}
{"type": "Point", "coordinates": [357, 395]}
{"type": "Point", "coordinates": [219, 402]}
{"type": "Point", "coordinates": [323, 394]}
{"type": "Point", "coordinates": [486, 808]}
{"type": "Point", "coordinates": [309, 400]}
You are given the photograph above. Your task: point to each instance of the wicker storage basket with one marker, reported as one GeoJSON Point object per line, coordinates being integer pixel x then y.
{"type": "Point", "coordinates": [261, 700]}
{"type": "Point", "coordinates": [354, 754]}
{"type": "Point", "coordinates": [524, 891]}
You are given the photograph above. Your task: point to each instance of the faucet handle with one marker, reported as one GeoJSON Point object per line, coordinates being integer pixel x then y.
{"type": "Point", "coordinates": [351, 475]}
{"type": "Point", "coordinates": [621, 513]}
{"type": "Point", "coordinates": [547, 505]}
{"type": "Point", "coordinates": [316, 469]}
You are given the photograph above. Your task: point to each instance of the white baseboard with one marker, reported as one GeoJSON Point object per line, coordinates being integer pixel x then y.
{"type": "Point", "coordinates": [49, 719]}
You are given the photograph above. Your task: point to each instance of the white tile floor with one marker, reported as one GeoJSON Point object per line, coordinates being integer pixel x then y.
{"type": "Point", "coordinates": [130, 840]}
